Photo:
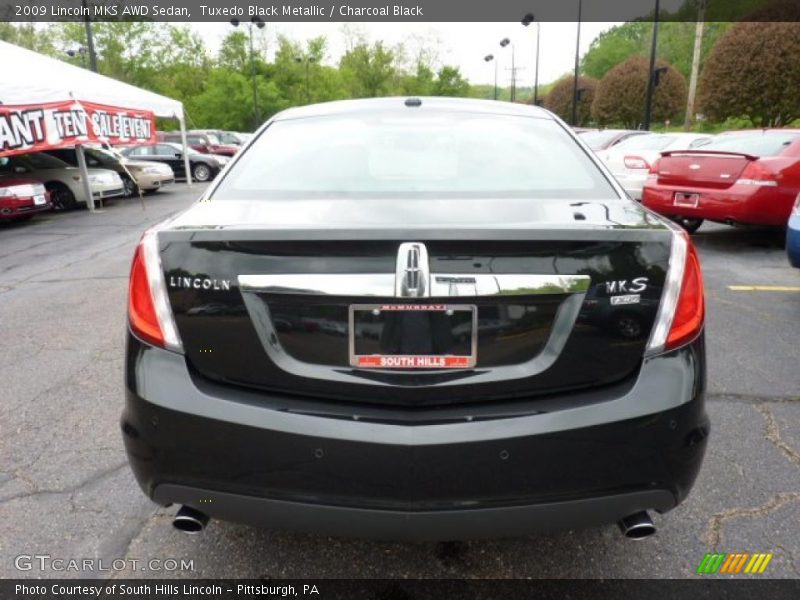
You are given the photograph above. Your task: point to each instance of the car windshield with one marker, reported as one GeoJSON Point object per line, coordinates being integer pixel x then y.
{"type": "Point", "coordinates": [40, 161]}
{"type": "Point", "coordinates": [103, 156]}
{"type": "Point", "coordinates": [437, 154]}
{"type": "Point", "coordinates": [189, 150]}
{"type": "Point", "coordinates": [656, 141]}
{"type": "Point", "coordinates": [598, 139]}
{"type": "Point", "coordinates": [767, 143]}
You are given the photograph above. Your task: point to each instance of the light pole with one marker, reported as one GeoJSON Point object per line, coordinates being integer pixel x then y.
{"type": "Point", "coordinates": [527, 20]}
{"type": "Point", "coordinates": [307, 60]}
{"type": "Point", "coordinates": [503, 43]}
{"type": "Point", "coordinates": [490, 58]}
{"type": "Point", "coordinates": [79, 51]}
{"type": "Point", "coordinates": [651, 74]}
{"type": "Point", "coordinates": [577, 66]}
{"type": "Point", "coordinates": [89, 37]}
{"type": "Point", "coordinates": [260, 24]}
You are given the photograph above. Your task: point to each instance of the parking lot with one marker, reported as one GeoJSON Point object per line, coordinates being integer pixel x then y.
{"type": "Point", "coordinates": [66, 490]}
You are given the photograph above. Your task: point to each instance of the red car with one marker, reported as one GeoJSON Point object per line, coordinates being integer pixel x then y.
{"type": "Point", "coordinates": [743, 177]}
{"type": "Point", "coordinates": [21, 198]}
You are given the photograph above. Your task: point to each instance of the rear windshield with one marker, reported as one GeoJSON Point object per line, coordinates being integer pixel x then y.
{"type": "Point", "coordinates": [767, 143]}
{"type": "Point", "coordinates": [442, 155]}
{"type": "Point", "coordinates": [647, 142]}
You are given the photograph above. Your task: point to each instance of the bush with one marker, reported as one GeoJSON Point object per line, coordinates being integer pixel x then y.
{"type": "Point", "coordinates": [754, 72]}
{"type": "Point", "coordinates": [559, 100]}
{"type": "Point", "coordinates": [620, 96]}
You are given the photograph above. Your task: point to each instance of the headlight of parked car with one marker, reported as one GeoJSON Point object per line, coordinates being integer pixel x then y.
{"type": "Point", "coordinates": [152, 170]}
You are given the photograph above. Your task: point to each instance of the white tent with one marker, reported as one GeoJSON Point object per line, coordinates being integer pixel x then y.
{"type": "Point", "coordinates": [27, 77]}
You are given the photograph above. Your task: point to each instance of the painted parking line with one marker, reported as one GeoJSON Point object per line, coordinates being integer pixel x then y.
{"type": "Point", "coordinates": [764, 288]}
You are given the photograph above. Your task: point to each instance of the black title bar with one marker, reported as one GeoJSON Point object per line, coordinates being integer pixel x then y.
{"type": "Point", "coordinates": [396, 10]}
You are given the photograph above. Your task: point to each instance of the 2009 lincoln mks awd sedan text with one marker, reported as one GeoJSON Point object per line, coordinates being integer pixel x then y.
{"type": "Point", "coordinates": [416, 319]}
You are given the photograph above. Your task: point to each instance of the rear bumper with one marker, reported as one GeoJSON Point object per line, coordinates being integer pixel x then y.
{"type": "Point", "coordinates": [234, 457]}
{"type": "Point", "coordinates": [147, 181]}
{"type": "Point", "coordinates": [738, 204]}
{"type": "Point", "coordinates": [20, 207]}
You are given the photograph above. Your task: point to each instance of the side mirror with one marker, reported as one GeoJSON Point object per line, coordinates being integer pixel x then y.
{"type": "Point", "coordinates": [178, 155]}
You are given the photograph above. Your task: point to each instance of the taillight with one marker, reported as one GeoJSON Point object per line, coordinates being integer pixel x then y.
{"type": "Point", "coordinates": [636, 162]}
{"type": "Point", "coordinates": [149, 312]}
{"type": "Point", "coordinates": [682, 311]}
{"type": "Point", "coordinates": [652, 174]}
{"type": "Point", "coordinates": [756, 174]}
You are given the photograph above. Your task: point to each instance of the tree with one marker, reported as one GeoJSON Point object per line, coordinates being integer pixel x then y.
{"type": "Point", "coordinates": [368, 71]}
{"type": "Point", "coordinates": [754, 72]}
{"type": "Point", "coordinates": [620, 96]}
{"type": "Point", "coordinates": [675, 44]}
{"type": "Point", "coordinates": [559, 99]}
{"type": "Point", "coordinates": [449, 82]}
{"type": "Point", "coordinates": [234, 52]}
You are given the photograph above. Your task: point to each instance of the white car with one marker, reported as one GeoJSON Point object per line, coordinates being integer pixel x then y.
{"type": "Point", "coordinates": [631, 159]}
{"type": "Point", "coordinates": [62, 180]}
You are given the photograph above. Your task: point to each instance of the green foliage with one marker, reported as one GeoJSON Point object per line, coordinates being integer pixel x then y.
{"type": "Point", "coordinates": [675, 45]}
{"type": "Point", "coordinates": [620, 96]}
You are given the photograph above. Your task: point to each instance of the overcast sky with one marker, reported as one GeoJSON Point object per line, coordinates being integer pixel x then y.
{"type": "Point", "coordinates": [461, 44]}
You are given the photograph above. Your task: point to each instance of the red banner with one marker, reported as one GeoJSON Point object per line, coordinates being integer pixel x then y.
{"type": "Point", "coordinates": [32, 128]}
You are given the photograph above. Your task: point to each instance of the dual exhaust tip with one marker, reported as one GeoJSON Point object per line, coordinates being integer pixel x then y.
{"type": "Point", "coordinates": [634, 527]}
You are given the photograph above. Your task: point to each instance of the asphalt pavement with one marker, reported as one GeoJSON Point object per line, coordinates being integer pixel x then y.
{"type": "Point", "coordinates": [66, 491]}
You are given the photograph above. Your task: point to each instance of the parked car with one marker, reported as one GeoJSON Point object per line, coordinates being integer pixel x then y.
{"type": "Point", "coordinates": [21, 198]}
{"type": "Point", "coordinates": [793, 235]}
{"type": "Point", "coordinates": [602, 139]}
{"type": "Point", "coordinates": [205, 142]}
{"type": "Point", "coordinates": [62, 180]}
{"type": "Point", "coordinates": [747, 177]}
{"type": "Point", "coordinates": [385, 212]}
{"type": "Point", "coordinates": [233, 138]}
{"type": "Point", "coordinates": [204, 166]}
{"type": "Point", "coordinates": [630, 160]}
{"type": "Point", "coordinates": [147, 176]}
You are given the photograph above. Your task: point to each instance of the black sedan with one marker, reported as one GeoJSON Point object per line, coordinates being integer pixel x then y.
{"type": "Point", "coordinates": [400, 318]}
{"type": "Point", "coordinates": [204, 167]}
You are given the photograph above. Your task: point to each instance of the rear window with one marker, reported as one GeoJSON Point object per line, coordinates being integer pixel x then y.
{"type": "Point", "coordinates": [647, 142]}
{"type": "Point", "coordinates": [767, 143]}
{"type": "Point", "coordinates": [441, 155]}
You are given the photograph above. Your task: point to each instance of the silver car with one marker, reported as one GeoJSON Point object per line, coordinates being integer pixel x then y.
{"type": "Point", "coordinates": [62, 180]}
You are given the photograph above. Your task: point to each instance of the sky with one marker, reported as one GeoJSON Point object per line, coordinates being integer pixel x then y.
{"type": "Point", "coordinates": [461, 44]}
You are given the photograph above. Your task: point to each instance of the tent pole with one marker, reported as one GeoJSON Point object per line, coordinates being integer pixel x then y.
{"type": "Point", "coordinates": [87, 186]}
{"type": "Point", "coordinates": [186, 163]}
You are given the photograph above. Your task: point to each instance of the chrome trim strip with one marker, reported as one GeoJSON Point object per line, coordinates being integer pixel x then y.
{"type": "Point", "coordinates": [441, 285]}
{"type": "Point", "coordinates": [563, 324]}
{"type": "Point", "coordinates": [349, 284]}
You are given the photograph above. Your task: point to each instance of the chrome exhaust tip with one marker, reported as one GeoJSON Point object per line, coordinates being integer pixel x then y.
{"type": "Point", "coordinates": [189, 520]}
{"type": "Point", "coordinates": [637, 526]}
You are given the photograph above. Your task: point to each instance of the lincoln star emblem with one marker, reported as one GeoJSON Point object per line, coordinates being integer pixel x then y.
{"type": "Point", "coordinates": [412, 276]}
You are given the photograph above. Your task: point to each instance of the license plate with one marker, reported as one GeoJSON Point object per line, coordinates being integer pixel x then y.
{"type": "Point", "coordinates": [413, 336]}
{"type": "Point", "coordinates": [39, 199]}
{"type": "Point", "coordinates": [683, 199]}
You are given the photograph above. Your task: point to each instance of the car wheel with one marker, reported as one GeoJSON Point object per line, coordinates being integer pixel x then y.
{"type": "Point", "coordinates": [61, 196]}
{"type": "Point", "coordinates": [201, 173]}
{"type": "Point", "coordinates": [689, 224]}
{"type": "Point", "coordinates": [131, 189]}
